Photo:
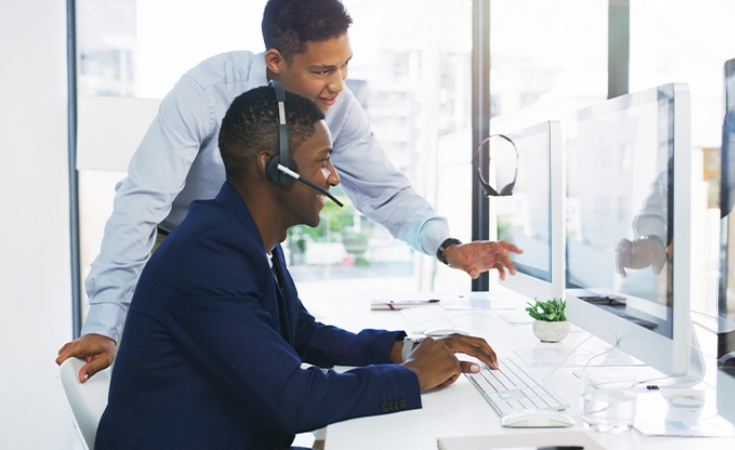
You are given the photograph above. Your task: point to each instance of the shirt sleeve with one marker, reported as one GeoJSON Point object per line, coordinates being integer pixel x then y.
{"type": "Point", "coordinates": [327, 346]}
{"type": "Point", "coordinates": [380, 191]}
{"type": "Point", "coordinates": [156, 174]}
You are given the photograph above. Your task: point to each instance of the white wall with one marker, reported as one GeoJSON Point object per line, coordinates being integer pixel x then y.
{"type": "Point", "coordinates": [35, 299]}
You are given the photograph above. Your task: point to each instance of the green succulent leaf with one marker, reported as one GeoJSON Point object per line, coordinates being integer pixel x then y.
{"type": "Point", "coordinates": [553, 310]}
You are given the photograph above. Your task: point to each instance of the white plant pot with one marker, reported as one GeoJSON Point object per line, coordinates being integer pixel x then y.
{"type": "Point", "coordinates": [550, 331]}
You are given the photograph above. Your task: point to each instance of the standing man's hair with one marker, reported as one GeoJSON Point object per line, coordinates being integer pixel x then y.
{"type": "Point", "coordinates": [289, 24]}
{"type": "Point", "coordinates": [250, 126]}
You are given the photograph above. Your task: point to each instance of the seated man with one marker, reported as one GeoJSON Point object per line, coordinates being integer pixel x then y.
{"type": "Point", "coordinates": [216, 334]}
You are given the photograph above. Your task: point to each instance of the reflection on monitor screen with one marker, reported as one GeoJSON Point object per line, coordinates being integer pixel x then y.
{"type": "Point", "coordinates": [532, 218]}
{"type": "Point", "coordinates": [623, 157]}
{"type": "Point", "coordinates": [726, 301]}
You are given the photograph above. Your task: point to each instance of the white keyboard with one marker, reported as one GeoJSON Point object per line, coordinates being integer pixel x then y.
{"type": "Point", "coordinates": [422, 318]}
{"type": "Point", "coordinates": [510, 389]}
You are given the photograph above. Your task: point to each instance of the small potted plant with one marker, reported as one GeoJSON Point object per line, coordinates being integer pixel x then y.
{"type": "Point", "coordinates": [550, 324]}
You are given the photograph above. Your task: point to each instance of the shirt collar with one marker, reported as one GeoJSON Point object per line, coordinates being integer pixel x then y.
{"type": "Point", "coordinates": [258, 74]}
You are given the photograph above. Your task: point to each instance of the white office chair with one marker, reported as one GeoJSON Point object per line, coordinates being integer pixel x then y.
{"type": "Point", "coordinates": [86, 401]}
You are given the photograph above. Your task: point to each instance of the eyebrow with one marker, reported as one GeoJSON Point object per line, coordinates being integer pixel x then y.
{"type": "Point", "coordinates": [329, 67]}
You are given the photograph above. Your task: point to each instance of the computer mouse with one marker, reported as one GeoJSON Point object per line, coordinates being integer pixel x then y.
{"type": "Point", "coordinates": [441, 332]}
{"type": "Point", "coordinates": [537, 418]}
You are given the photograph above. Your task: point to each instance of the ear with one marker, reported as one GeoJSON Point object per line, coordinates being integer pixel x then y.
{"type": "Point", "coordinates": [263, 162]}
{"type": "Point", "coordinates": [274, 61]}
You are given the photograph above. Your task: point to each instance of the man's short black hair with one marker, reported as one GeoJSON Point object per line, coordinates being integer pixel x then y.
{"type": "Point", "coordinates": [250, 126]}
{"type": "Point", "coordinates": [289, 24]}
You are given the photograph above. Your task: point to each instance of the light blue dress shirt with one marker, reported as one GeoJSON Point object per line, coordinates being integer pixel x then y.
{"type": "Point", "coordinates": [178, 161]}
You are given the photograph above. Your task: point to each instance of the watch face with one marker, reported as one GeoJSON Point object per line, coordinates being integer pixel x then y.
{"type": "Point", "coordinates": [440, 252]}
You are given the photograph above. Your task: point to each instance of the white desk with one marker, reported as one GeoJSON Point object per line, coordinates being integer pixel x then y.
{"type": "Point", "coordinates": [459, 410]}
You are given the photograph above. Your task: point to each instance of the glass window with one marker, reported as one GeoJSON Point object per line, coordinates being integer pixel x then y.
{"type": "Point", "coordinates": [548, 59]}
{"type": "Point", "coordinates": [412, 78]}
{"type": "Point", "coordinates": [676, 41]}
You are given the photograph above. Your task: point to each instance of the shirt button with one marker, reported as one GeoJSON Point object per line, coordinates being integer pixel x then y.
{"type": "Point", "coordinates": [402, 404]}
{"type": "Point", "coordinates": [384, 407]}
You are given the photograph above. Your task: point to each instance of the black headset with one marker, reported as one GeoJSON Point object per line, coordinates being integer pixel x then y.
{"type": "Point", "coordinates": [284, 157]}
{"type": "Point", "coordinates": [281, 168]}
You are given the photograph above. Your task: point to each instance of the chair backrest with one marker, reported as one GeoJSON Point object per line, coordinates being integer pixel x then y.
{"type": "Point", "coordinates": [86, 401]}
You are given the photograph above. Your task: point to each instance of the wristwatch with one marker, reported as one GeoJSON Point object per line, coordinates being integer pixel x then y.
{"type": "Point", "coordinates": [408, 344]}
{"type": "Point", "coordinates": [440, 252]}
{"type": "Point", "coordinates": [651, 237]}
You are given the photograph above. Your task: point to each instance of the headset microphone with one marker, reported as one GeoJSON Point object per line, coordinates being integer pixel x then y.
{"type": "Point", "coordinates": [297, 177]}
{"type": "Point", "coordinates": [281, 168]}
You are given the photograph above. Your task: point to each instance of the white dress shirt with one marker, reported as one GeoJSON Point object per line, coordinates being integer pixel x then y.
{"type": "Point", "coordinates": [178, 161]}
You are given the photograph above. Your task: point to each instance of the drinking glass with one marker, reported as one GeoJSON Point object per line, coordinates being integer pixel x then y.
{"type": "Point", "coordinates": [608, 400]}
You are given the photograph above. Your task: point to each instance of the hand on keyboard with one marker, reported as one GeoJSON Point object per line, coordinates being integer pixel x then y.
{"type": "Point", "coordinates": [434, 364]}
{"type": "Point", "coordinates": [471, 346]}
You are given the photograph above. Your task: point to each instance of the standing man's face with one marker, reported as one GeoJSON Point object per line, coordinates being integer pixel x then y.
{"type": "Point", "coordinates": [318, 73]}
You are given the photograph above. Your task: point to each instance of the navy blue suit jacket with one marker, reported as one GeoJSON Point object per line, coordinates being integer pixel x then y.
{"type": "Point", "coordinates": [212, 349]}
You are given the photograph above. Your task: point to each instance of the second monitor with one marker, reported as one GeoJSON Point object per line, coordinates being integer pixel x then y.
{"type": "Point", "coordinates": [533, 217]}
{"type": "Point", "coordinates": [629, 243]}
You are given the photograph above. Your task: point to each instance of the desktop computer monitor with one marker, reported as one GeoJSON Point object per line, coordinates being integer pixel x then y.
{"type": "Point", "coordinates": [533, 217]}
{"type": "Point", "coordinates": [726, 300]}
{"type": "Point", "coordinates": [623, 158]}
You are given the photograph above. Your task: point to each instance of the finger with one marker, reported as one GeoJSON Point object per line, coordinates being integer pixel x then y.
{"type": "Point", "coordinates": [501, 270]}
{"type": "Point", "coordinates": [619, 263]}
{"type": "Point", "coordinates": [657, 269]}
{"type": "Point", "coordinates": [472, 346]}
{"type": "Point", "coordinates": [510, 247]}
{"type": "Point", "coordinates": [64, 354]}
{"type": "Point", "coordinates": [63, 349]}
{"type": "Point", "coordinates": [450, 380]}
{"type": "Point", "coordinates": [509, 264]}
{"type": "Point", "coordinates": [94, 366]}
{"type": "Point", "coordinates": [74, 349]}
{"type": "Point", "coordinates": [83, 374]}
{"type": "Point", "coordinates": [469, 367]}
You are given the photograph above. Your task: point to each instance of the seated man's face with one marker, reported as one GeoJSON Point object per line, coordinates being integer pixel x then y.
{"type": "Point", "coordinates": [319, 72]}
{"type": "Point", "coordinates": [313, 161]}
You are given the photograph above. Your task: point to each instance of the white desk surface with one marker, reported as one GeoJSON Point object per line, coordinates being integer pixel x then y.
{"type": "Point", "coordinates": [460, 411]}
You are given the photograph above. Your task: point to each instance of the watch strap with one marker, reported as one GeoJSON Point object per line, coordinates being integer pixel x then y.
{"type": "Point", "coordinates": [443, 247]}
{"type": "Point", "coordinates": [408, 344]}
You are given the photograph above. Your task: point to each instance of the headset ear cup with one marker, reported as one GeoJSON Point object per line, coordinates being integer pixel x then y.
{"type": "Point", "coordinates": [271, 169]}
{"type": "Point", "coordinates": [275, 175]}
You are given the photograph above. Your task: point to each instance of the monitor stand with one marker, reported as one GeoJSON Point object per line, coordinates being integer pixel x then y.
{"type": "Point", "coordinates": [694, 375]}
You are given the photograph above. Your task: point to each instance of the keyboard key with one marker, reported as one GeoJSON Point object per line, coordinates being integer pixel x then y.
{"type": "Point", "coordinates": [512, 389]}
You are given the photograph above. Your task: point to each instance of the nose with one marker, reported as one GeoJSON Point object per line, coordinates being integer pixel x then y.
{"type": "Point", "coordinates": [332, 178]}
{"type": "Point", "coordinates": [337, 82]}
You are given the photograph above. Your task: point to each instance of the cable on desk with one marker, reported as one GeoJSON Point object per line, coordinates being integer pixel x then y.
{"type": "Point", "coordinates": [612, 347]}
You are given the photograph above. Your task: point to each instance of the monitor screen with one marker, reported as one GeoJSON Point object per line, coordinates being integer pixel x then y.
{"type": "Point", "coordinates": [726, 300]}
{"type": "Point", "coordinates": [532, 217]}
{"type": "Point", "coordinates": [623, 157]}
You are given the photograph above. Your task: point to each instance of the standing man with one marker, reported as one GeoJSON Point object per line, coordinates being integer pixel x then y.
{"type": "Point", "coordinates": [178, 161]}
